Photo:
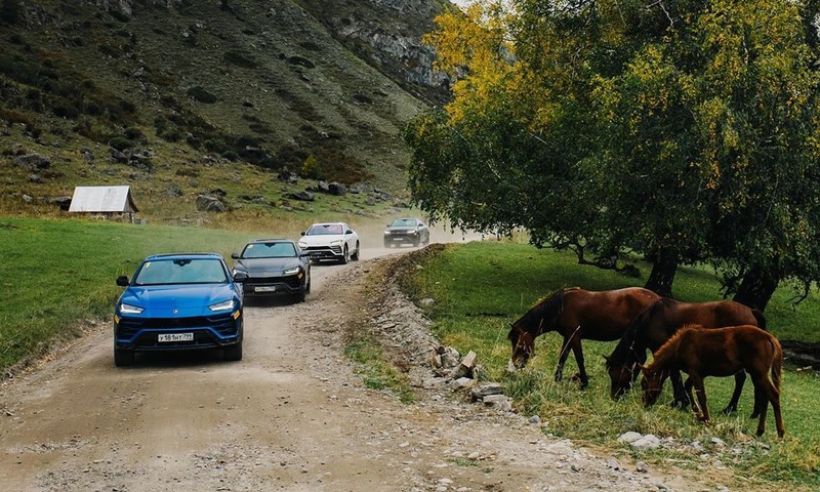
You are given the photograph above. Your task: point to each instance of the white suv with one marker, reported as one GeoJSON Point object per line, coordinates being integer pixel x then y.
{"type": "Point", "coordinates": [331, 241]}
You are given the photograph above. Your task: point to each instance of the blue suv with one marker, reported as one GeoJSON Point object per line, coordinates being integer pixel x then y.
{"type": "Point", "coordinates": [179, 302]}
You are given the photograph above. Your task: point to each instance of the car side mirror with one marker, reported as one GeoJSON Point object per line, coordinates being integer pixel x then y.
{"type": "Point", "coordinates": [122, 281]}
{"type": "Point", "coordinates": [240, 277]}
{"type": "Point", "coordinates": [302, 233]}
{"type": "Point", "coordinates": [235, 256]}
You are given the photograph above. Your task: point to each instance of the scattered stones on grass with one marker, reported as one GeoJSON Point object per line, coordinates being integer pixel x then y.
{"type": "Point", "coordinates": [210, 203]}
{"type": "Point", "coordinates": [501, 402]}
{"type": "Point", "coordinates": [486, 389]}
{"type": "Point", "coordinates": [427, 302]}
{"type": "Point", "coordinates": [33, 161]}
{"type": "Point", "coordinates": [641, 467]}
{"type": "Point", "coordinates": [629, 437]}
{"type": "Point", "coordinates": [649, 441]}
{"type": "Point", "coordinates": [304, 196]}
{"type": "Point", "coordinates": [535, 420]}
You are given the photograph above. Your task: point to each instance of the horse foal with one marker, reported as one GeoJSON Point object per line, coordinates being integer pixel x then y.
{"type": "Point", "coordinates": [720, 352]}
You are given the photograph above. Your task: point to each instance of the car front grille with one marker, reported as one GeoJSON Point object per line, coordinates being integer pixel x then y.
{"type": "Point", "coordinates": [225, 325]}
{"type": "Point", "coordinates": [290, 281]}
{"type": "Point", "coordinates": [335, 249]}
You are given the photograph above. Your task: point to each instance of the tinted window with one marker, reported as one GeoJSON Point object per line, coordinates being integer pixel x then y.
{"type": "Point", "coordinates": [325, 230]}
{"type": "Point", "coordinates": [269, 250]}
{"type": "Point", "coordinates": [181, 271]}
{"type": "Point", "coordinates": [404, 223]}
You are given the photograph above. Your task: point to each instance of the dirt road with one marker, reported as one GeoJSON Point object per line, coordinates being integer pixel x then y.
{"type": "Point", "coordinates": [291, 416]}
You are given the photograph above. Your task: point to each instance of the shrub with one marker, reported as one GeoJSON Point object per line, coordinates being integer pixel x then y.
{"type": "Point", "coordinates": [134, 133]}
{"type": "Point", "coordinates": [120, 143]}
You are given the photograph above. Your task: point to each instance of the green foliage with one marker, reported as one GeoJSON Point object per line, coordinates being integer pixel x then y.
{"type": "Point", "coordinates": [687, 133]}
{"type": "Point", "coordinates": [375, 370]}
{"type": "Point", "coordinates": [472, 313]}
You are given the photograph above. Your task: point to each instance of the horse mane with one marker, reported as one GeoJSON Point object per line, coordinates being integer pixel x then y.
{"type": "Point", "coordinates": [671, 344]}
{"type": "Point", "coordinates": [531, 320]}
{"type": "Point", "coordinates": [638, 326]}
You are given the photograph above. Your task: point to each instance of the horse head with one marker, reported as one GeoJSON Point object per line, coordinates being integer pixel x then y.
{"type": "Point", "coordinates": [652, 384]}
{"type": "Point", "coordinates": [541, 318]}
{"type": "Point", "coordinates": [622, 374]}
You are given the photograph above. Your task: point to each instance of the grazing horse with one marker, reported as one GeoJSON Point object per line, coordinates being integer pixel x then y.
{"type": "Point", "coordinates": [657, 324]}
{"type": "Point", "coordinates": [576, 314]}
{"type": "Point", "coordinates": [720, 352]}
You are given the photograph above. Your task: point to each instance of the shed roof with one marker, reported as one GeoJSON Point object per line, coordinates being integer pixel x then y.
{"type": "Point", "coordinates": [96, 199]}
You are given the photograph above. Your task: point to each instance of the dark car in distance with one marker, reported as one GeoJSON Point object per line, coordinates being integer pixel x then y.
{"type": "Point", "coordinates": [406, 231]}
{"type": "Point", "coordinates": [180, 301]}
{"type": "Point", "coordinates": [273, 267]}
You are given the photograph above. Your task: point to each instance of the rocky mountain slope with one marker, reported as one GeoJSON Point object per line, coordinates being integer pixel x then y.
{"type": "Point", "coordinates": [163, 93]}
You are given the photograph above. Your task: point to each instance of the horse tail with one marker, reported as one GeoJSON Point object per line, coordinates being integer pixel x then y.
{"type": "Point", "coordinates": [761, 320]}
{"type": "Point", "coordinates": [777, 362]}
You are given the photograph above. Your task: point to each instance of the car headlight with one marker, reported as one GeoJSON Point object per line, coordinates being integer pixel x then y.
{"type": "Point", "coordinates": [412, 233]}
{"type": "Point", "coordinates": [222, 306]}
{"type": "Point", "coordinates": [302, 245]}
{"type": "Point", "coordinates": [387, 233]}
{"type": "Point", "coordinates": [292, 271]}
{"type": "Point", "coordinates": [129, 309]}
{"type": "Point", "coordinates": [337, 242]}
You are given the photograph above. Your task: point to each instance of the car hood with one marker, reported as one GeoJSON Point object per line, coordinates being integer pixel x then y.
{"type": "Point", "coordinates": [401, 229]}
{"type": "Point", "coordinates": [320, 240]}
{"type": "Point", "coordinates": [266, 267]}
{"type": "Point", "coordinates": [177, 301]}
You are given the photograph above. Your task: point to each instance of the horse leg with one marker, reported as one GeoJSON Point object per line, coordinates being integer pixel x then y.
{"type": "Point", "coordinates": [688, 387]}
{"type": "Point", "coordinates": [562, 358]}
{"type": "Point", "coordinates": [740, 378]}
{"type": "Point", "coordinates": [772, 396]}
{"type": "Point", "coordinates": [700, 390]}
{"type": "Point", "coordinates": [760, 400]}
{"type": "Point", "coordinates": [762, 407]}
{"type": "Point", "coordinates": [579, 359]}
{"type": "Point", "coordinates": [681, 400]}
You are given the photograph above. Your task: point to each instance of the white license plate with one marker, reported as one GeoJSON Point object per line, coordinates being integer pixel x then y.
{"type": "Point", "coordinates": [175, 337]}
{"type": "Point", "coordinates": [265, 289]}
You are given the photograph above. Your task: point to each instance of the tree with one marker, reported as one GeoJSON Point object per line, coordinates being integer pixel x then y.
{"type": "Point", "coordinates": [672, 129]}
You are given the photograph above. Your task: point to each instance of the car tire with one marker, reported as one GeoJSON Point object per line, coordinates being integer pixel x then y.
{"type": "Point", "coordinates": [346, 256]}
{"type": "Point", "coordinates": [233, 353]}
{"type": "Point", "coordinates": [307, 284]}
{"type": "Point", "coordinates": [123, 357]}
{"type": "Point", "coordinates": [355, 256]}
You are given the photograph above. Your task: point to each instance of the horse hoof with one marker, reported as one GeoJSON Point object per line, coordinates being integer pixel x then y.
{"type": "Point", "coordinates": [729, 411]}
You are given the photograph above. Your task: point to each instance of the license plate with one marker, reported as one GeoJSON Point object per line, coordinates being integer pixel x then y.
{"type": "Point", "coordinates": [265, 289]}
{"type": "Point", "coordinates": [175, 337]}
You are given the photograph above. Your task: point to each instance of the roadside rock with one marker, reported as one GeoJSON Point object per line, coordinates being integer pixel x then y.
{"type": "Point", "coordinates": [649, 441]}
{"type": "Point", "coordinates": [486, 389]}
{"type": "Point", "coordinates": [629, 437]}
{"type": "Point", "coordinates": [33, 161]}
{"type": "Point", "coordinates": [501, 402]}
{"type": "Point", "coordinates": [427, 302]}
{"type": "Point", "coordinates": [337, 189]}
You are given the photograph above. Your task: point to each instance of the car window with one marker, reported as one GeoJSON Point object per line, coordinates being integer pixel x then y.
{"type": "Point", "coordinates": [325, 230]}
{"type": "Point", "coordinates": [181, 271]}
{"type": "Point", "coordinates": [269, 250]}
{"type": "Point", "coordinates": [404, 223]}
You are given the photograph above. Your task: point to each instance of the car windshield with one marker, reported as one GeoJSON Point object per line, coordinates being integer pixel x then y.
{"type": "Point", "coordinates": [181, 271]}
{"type": "Point", "coordinates": [404, 223]}
{"type": "Point", "coordinates": [269, 250]}
{"type": "Point", "coordinates": [325, 230]}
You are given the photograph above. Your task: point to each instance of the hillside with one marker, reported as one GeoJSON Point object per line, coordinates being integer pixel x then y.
{"type": "Point", "coordinates": [177, 97]}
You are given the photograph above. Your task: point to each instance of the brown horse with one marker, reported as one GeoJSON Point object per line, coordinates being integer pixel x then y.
{"type": "Point", "coordinates": [720, 352]}
{"type": "Point", "coordinates": [576, 314]}
{"type": "Point", "coordinates": [657, 324]}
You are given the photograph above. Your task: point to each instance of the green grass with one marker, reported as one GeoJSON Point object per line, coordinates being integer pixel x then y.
{"type": "Point", "coordinates": [480, 288]}
{"type": "Point", "coordinates": [56, 272]}
{"type": "Point", "coordinates": [376, 371]}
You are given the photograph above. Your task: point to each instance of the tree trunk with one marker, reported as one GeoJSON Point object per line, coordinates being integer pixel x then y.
{"type": "Point", "coordinates": [757, 287]}
{"type": "Point", "coordinates": [664, 268]}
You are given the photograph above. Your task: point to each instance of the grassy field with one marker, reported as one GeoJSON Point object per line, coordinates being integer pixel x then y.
{"type": "Point", "coordinates": [55, 272]}
{"type": "Point", "coordinates": [480, 288]}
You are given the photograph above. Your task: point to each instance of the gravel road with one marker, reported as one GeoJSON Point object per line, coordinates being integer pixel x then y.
{"type": "Point", "coordinates": [291, 416]}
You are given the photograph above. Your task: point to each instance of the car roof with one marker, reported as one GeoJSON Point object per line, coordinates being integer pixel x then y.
{"type": "Point", "coordinates": [181, 256]}
{"type": "Point", "coordinates": [327, 223]}
{"type": "Point", "coordinates": [273, 240]}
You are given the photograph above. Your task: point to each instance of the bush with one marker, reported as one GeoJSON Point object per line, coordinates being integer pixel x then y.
{"type": "Point", "coordinates": [201, 95]}
{"type": "Point", "coordinates": [120, 143]}
{"type": "Point", "coordinates": [134, 133]}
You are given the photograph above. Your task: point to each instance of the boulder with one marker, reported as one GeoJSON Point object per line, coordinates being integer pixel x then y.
{"type": "Point", "coordinates": [304, 196]}
{"type": "Point", "coordinates": [321, 187]}
{"type": "Point", "coordinates": [629, 437]}
{"type": "Point", "coordinates": [63, 202]}
{"type": "Point", "coordinates": [337, 189]}
{"type": "Point", "coordinates": [33, 161]}
{"type": "Point", "coordinates": [210, 203]}
{"type": "Point", "coordinates": [501, 402]}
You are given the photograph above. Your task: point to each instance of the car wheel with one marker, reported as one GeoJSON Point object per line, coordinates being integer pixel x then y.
{"type": "Point", "coordinates": [123, 357]}
{"type": "Point", "coordinates": [307, 284]}
{"type": "Point", "coordinates": [416, 243]}
{"type": "Point", "coordinates": [346, 256]}
{"type": "Point", "coordinates": [355, 256]}
{"type": "Point", "coordinates": [233, 353]}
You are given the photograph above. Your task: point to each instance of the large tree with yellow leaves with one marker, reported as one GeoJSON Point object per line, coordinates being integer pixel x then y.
{"type": "Point", "coordinates": [686, 131]}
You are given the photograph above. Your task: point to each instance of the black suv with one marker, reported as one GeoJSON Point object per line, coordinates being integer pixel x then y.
{"type": "Point", "coordinates": [273, 267]}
